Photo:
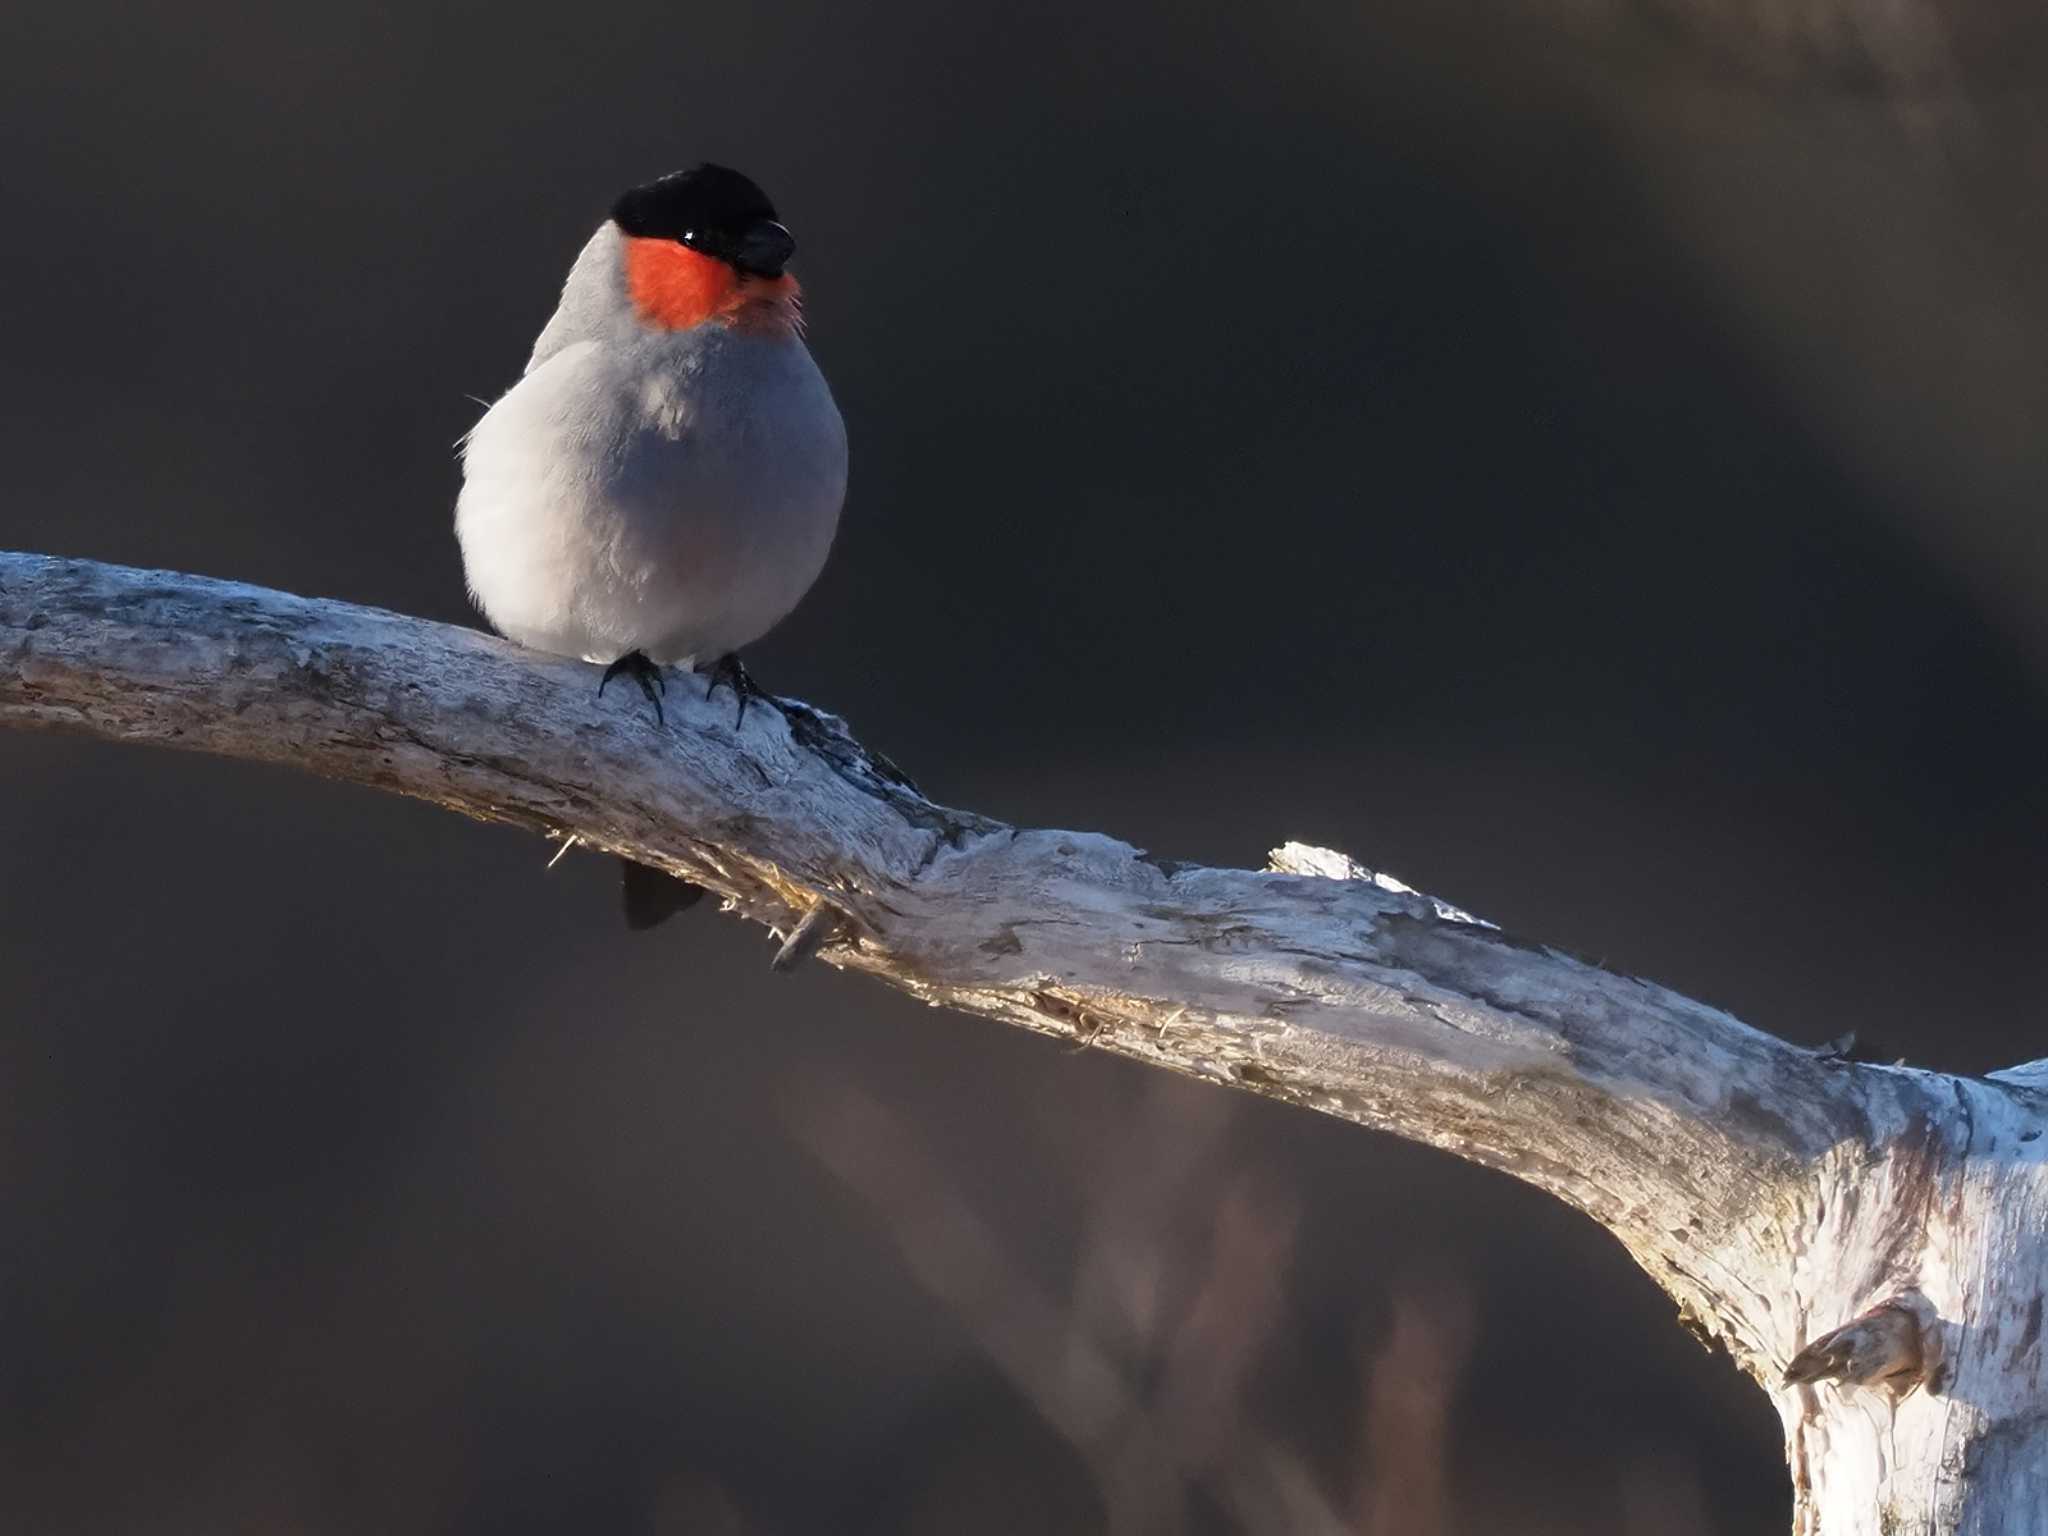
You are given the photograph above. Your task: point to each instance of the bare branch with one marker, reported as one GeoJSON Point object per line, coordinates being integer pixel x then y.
{"type": "Point", "coordinates": [1771, 1190]}
{"type": "Point", "coordinates": [1685, 1132]}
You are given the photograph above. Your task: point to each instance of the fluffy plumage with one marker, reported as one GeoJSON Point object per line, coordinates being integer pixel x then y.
{"type": "Point", "coordinates": [650, 488]}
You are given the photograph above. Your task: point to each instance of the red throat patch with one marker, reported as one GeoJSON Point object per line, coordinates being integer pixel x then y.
{"type": "Point", "coordinates": [675, 288]}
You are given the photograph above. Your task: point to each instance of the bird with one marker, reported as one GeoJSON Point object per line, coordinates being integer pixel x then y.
{"type": "Point", "coordinates": [662, 484]}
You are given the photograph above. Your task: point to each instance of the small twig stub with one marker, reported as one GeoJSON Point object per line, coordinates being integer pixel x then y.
{"type": "Point", "coordinates": [812, 932]}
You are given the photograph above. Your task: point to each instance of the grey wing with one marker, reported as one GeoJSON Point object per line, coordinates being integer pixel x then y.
{"type": "Point", "coordinates": [591, 298]}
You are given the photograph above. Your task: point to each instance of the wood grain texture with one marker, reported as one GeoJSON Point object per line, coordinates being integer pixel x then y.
{"type": "Point", "coordinates": [1776, 1193]}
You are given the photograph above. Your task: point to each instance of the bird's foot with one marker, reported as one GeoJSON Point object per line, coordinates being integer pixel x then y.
{"type": "Point", "coordinates": [730, 671]}
{"type": "Point", "coordinates": [635, 665]}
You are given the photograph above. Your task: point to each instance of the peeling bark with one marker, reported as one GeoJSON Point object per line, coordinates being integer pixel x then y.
{"type": "Point", "coordinates": [1868, 1242]}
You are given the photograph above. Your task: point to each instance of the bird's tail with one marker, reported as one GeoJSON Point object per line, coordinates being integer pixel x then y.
{"type": "Point", "coordinates": [651, 896]}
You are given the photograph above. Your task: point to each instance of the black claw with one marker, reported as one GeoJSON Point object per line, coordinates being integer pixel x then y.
{"type": "Point", "coordinates": [644, 672]}
{"type": "Point", "coordinates": [729, 670]}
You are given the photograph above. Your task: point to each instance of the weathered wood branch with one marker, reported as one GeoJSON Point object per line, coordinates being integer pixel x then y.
{"type": "Point", "coordinates": [1777, 1193]}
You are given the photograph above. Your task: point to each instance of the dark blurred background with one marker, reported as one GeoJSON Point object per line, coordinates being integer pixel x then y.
{"type": "Point", "coordinates": [1583, 459]}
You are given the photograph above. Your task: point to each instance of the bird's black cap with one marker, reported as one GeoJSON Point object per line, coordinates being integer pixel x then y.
{"type": "Point", "coordinates": [713, 210]}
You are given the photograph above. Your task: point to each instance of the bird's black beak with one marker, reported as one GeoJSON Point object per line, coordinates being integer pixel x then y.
{"type": "Point", "coordinates": [765, 249]}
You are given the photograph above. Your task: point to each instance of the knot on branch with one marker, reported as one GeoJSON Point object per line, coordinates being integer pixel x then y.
{"type": "Point", "coordinates": [1885, 1347]}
